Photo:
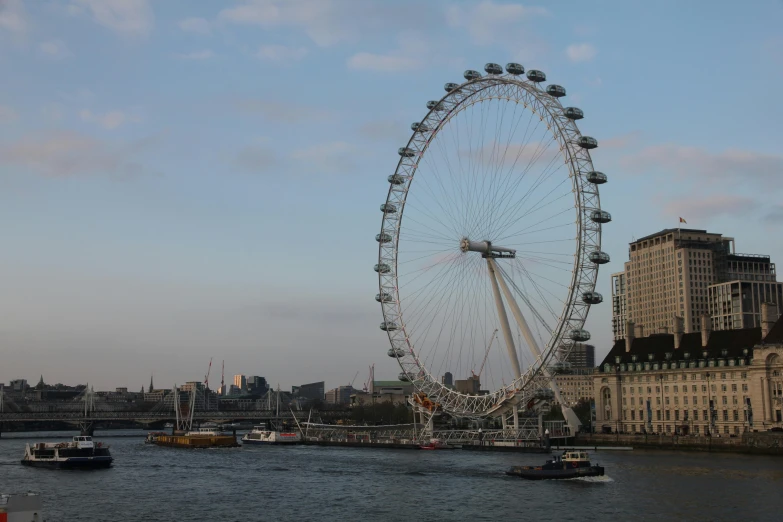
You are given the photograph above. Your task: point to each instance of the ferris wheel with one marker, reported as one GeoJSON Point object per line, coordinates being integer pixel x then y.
{"type": "Point", "coordinates": [493, 211]}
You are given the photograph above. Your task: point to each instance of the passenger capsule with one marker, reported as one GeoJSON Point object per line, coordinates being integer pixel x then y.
{"type": "Point", "coordinates": [403, 377]}
{"type": "Point", "coordinates": [419, 127]}
{"type": "Point", "coordinates": [515, 69]}
{"type": "Point", "coordinates": [601, 216]}
{"type": "Point", "coordinates": [556, 91]}
{"type": "Point", "coordinates": [435, 106]}
{"type": "Point", "coordinates": [383, 238]}
{"type": "Point", "coordinates": [597, 178]}
{"type": "Point", "coordinates": [396, 179]}
{"type": "Point", "coordinates": [388, 326]}
{"type": "Point", "coordinates": [384, 297]}
{"type": "Point", "coordinates": [388, 208]}
{"type": "Point", "coordinates": [382, 268]}
{"type": "Point", "coordinates": [471, 75]}
{"type": "Point", "coordinates": [396, 353]}
{"type": "Point", "coordinates": [544, 394]}
{"type": "Point", "coordinates": [598, 257]}
{"type": "Point", "coordinates": [536, 76]}
{"type": "Point", "coordinates": [405, 152]}
{"type": "Point", "coordinates": [450, 87]}
{"type": "Point", "coordinates": [592, 298]}
{"type": "Point", "coordinates": [493, 68]}
{"type": "Point", "coordinates": [559, 367]}
{"type": "Point", "coordinates": [579, 336]}
{"type": "Point", "coordinates": [586, 142]}
{"type": "Point", "coordinates": [572, 113]}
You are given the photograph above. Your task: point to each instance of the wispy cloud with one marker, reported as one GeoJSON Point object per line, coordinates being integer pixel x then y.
{"type": "Point", "coordinates": [281, 53]}
{"type": "Point", "coordinates": [69, 153]}
{"type": "Point", "coordinates": [256, 157]}
{"type": "Point", "coordinates": [486, 21]}
{"type": "Point", "coordinates": [384, 62]}
{"type": "Point", "coordinates": [132, 18]}
{"type": "Point", "coordinates": [335, 156]}
{"type": "Point", "coordinates": [108, 120]}
{"type": "Point", "coordinates": [279, 112]}
{"type": "Point", "coordinates": [195, 25]}
{"type": "Point", "coordinates": [7, 114]}
{"type": "Point", "coordinates": [582, 52]}
{"type": "Point", "coordinates": [710, 206]}
{"type": "Point", "coordinates": [384, 130]}
{"type": "Point", "coordinates": [205, 54]}
{"type": "Point", "coordinates": [12, 17]}
{"type": "Point", "coordinates": [56, 49]}
{"type": "Point", "coordinates": [775, 215]}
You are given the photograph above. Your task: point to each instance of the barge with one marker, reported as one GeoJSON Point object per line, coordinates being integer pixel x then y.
{"type": "Point", "coordinates": [81, 452]}
{"type": "Point", "coordinates": [203, 438]}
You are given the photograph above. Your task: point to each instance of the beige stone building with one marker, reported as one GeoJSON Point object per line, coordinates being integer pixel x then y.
{"type": "Point", "coordinates": [576, 385]}
{"type": "Point", "coordinates": [708, 382]}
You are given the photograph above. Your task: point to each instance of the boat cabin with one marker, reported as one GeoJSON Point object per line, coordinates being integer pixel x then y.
{"type": "Point", "coordinates": [83, 442]}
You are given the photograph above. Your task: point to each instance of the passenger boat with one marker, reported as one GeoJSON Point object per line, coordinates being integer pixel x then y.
{"type": "Point", "coordinates": [24, 507]}
{"type": "Point", "coordinates": [270, 435]}
{"type": "Point", "coordinates": [434, 444]}
{"type": "Point", "coordinates": [572, 464]}
{"type": "Point", "coordinates": [202, 438]}
{"type": "Point", "coordinates": [81, 452]}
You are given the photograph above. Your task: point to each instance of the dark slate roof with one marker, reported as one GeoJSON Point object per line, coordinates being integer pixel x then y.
{"type": "Point", "coordinates": [775, 335]}
{"type": "Point", "coordinates": [667, 230]}
{"type": "Point", "coordinates": [734, 341]}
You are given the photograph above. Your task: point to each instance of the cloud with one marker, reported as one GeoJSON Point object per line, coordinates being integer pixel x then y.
{"type": "Point", "coordinates": [7, 114]}
{"type": "Point", "coordinates": [734, 165]}
{"type": "Point", "coordinates": [108, 120]}
{"type": "Point", "coordinates": [710, 206]}
{"type": "Point", "coordinates": [383, 63]}
{"type": "Point", "coordinates": [621, 141]}
{"type": "Point", "coordinates": [775, 216]}
{"type": "Point", "coordinates": [256, 157]}
{"type": "Point", "coordinates": [54, 49]}
{"type": "Point", "coordinates": [12, 17]}
{"type": "Point", "coordinates": [133, 18]}
{"type": "Point", "coordinates": [384, 130]}
{"type": "Point", "coordinates": [335, 156]}
{"type": "Point", "coordinates": [487, 21]}
{"type": "Point", "coordinates": [206, 54]}
{"type": "Point", "coordinates": [281, 53]}
{"type": "Point", "coordinates": [195, 25]}
{"type": "Point", "coordinates": [583, 52]}
{"type": "Point", "coordinates": [284, 112]}
{"type": "Point", "coordinates": [69, 153]}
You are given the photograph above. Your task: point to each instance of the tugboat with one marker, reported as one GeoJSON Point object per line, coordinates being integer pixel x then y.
{"type": "Point", "coordinates": [81, 452]}
{"type": "Point", "coordinates": [572, 464]}
{"type": "Point", "coordinates": [23, 507]}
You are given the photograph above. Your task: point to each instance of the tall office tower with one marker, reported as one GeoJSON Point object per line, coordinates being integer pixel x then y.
{"type": "Point", "coordinates": [619, 311]}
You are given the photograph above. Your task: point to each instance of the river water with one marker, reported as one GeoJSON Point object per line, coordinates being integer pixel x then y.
{"type": "Point", "coordinates": [272, 483]}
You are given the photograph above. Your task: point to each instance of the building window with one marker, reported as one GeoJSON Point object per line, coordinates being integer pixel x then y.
{"type": "Point", "coordinates": [725, 415]}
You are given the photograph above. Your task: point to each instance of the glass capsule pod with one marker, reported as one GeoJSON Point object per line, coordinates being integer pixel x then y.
{"type": "Point", "coordinates": [405, 152]}
{"type": "Point", "coordinates": [384, 297]}
{"type": "Point", "coordinates": [572, 113]}
{"type": "Point", "coordinates": [388, 208]}
{"type": "Point", "coordinates": [419, 127]}
{"type": "Point", "coordinates": [586, 142]}
{"type": "Point", "coordinates": [599, 258]}
{"type": "Point", "coordinates": [383, 238]}
{"type": "Point", "coordinates": [579, 336]}
{"type": "Point", "coordinates": [597, 178]}
{"type": "Point", "coordinates": [382, 268]}
{"type": "Point", "coordinates": [600, 216]}
{"type": "Point", "coordinates": [388, 326]}
{"type": "Point", "coordinates": [536, 76]}
{"type": "Point", "coordinates": [471, 75]}
{"type": "Point", "coordinates": [592, 297]}
{"type": "Point", "coordinates": [493, 68]}
{"type": "Point", "coordinates": [396, 179]}
{"type": "Point", "coordinates": [515, 69]}
{"type": "Point", "coordinates": [544, 394]}
{"type": "Point", "coordinates": [434, 106]}
{"type": "Point", "coordinates": [403, 377]}
{"type": "Point", "coordinates": [556, 91]}
{"type": "Point", "coordinates": [396, 353]}
{"type": "Point", "coordinates": [450, 87]}
{"type": "Point", "coordinates": [560, 367]}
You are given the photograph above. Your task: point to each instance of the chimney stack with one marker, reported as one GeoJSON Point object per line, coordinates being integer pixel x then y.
{"type": "Point", "coordinates": [679, 329]}
{"type": "Point", "coordinates": [769, 314]}
{"type": "Point", "coordinates": [639, 330]}
{"type": "Point", "coordinates": [628, 335]}
{"type": "Point", "coordinates": [706, 329]}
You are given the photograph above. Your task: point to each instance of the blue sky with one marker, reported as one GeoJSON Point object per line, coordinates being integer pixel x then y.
{"type": "Point", "coordinates": [183, 180]}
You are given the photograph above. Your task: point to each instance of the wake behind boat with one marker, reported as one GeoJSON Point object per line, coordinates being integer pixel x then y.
{"type": "Point", "coordinates": [81, 452]}
{"type": "Point", "coordinates": [572, 464]}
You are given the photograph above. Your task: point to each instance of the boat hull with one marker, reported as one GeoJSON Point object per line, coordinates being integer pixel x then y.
{"type": "Point", "coordinates": [71, 463]}
{"type": "Point", "coordinates": [189, 441]}
{"type": "Point", "coordinates": [556, 474]}
{"type": "Point", "coordinates": [270, 442]}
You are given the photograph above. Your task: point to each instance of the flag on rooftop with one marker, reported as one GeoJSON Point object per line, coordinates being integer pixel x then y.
{"type": "Point", "coordinates": [683, 221]}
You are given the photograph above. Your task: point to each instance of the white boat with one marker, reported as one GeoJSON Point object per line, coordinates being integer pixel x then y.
{"type": "Point", "coordinates": [168, 425]}
{"type": "Point", "coordinates": [24, 507]}
{"type": "Point", "coordinates": [81, 452]}
{"type": "Point", "coordinates": [264, 435]}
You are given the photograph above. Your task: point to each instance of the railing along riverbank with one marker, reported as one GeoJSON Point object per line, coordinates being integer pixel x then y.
{"type": "Point", "coordinates": [765, 443]}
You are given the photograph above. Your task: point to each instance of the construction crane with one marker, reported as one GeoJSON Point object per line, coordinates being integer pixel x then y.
{"type": "Point", "coordinates": [370, 378]}
{"type": "Point", "coordinates": [206, 377]}
{"type": "Point", "coordinates": [486, 354]}
{"type": "Point", "coordinates": [222, 375]}
{"type": "Point", "coordinates": [354, 379]}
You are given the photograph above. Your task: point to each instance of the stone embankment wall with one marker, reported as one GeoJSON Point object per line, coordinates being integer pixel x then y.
{"type": "Point", "coordinates": [767, 443]}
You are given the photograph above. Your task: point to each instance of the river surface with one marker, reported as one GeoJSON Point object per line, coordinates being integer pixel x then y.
{"type": "Point", "coordinates": [302, 483]}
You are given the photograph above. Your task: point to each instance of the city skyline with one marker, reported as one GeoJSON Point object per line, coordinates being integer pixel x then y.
{"type": "Point", "coordinates": [188, 180]}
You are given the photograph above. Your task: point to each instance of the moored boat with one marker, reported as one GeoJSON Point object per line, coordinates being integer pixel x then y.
{"type": "Point", "coordinates": [572, 464]}
{"type": "Point", "coordinates": [269, 434]}
{"type": "Point", "coordinates": [22, 507]}
{"type": "Point", "coordinates": [434, 444]}
{"type": "Point", "coordinates": [202, 438]}
{"type": "Point", "coordinates": [81, 452]}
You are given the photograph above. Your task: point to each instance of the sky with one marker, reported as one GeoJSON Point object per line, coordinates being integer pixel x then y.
{"type": "Point", "coordinates": [186, 180]}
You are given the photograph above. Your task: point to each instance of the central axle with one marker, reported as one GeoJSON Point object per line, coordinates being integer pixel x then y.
{"type": "Point", "coordinates": [486, 248]}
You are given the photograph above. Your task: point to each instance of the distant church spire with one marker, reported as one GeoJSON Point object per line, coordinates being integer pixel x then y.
{"type": "Point", "coordinates": [151, 388]}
